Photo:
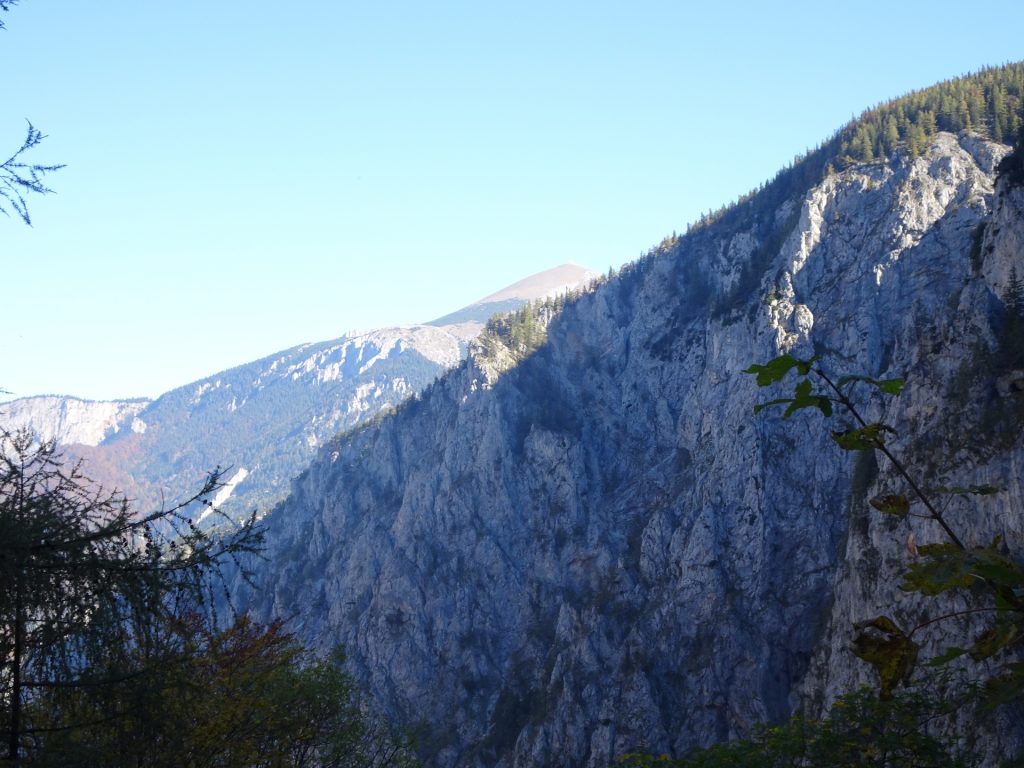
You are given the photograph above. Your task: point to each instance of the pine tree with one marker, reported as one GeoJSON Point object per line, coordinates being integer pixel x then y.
{"type": "Point", "coordinates": [927, 122]}
{"type": "Point", "coordinates": [892, 135]}
{"type": "Point", "coordinates": [1011, 336]}
{"type": "Point", "coordinates": [963, 116]}
{"type": "Point", "coordinates": [916, 141]}
{"type": "Point", "coordinates": [999, 114]}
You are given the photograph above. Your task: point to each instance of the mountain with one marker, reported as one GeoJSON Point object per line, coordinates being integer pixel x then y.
{"type": "Point", "coordinates": [263, 421]}
{"type": "Point", "coordinates": [586, 543]}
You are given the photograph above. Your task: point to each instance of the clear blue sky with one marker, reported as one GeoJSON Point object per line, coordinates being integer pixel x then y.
{"type": "Point", "coordinates": [244, 175]}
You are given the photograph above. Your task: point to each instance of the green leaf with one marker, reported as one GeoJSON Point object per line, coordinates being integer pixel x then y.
{"type": "Point", "coordinates": [996, 568]}
{"type": "Point", "coordinates": [1006, 687]}
{"type": "Point", "coordinates": [888, 386]}
{"type": "Point", "coordinates": [842, 381]}
{"type": "Point", "coordinates": [891, 504]}
{"type": "Point", "coordinates": [888, 649]}
{"type": "Point", "coordinates": [775, 370]}
{"type": "Point", "coordinates": [1010, 598]}
{"type": "Point", "coordinates": [761, 406]}
{"type": "Point", "coordinates": [795, 404]}
{"type": "Point", "coordinates": [948, 656]}
{"type": "Point", "coordinates": [944, 567]}
{"type": "Point", "coordinates": [938, 550]}
{"type": "Point", "coordinates": [990, 642]}
{"type": "Point", "coordinates": [803, 367]}
{"type": "Point", "coordinates": [883, 623]}
{"type": "Point", "coordinates": [824, 405]}
{"type": "Point", "coordinates": [862, 439]}
{"type": "Point", "coordinates": [820, 402]}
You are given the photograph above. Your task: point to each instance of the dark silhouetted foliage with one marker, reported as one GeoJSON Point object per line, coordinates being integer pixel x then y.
{"type": "Point", "coordinates": [88, 586]}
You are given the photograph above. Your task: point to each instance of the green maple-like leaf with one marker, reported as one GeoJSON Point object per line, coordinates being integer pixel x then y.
{"type": "Point", "coordinates": [776, 369]}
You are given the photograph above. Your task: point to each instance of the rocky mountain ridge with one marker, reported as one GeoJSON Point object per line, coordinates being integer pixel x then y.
{"type": "Point", "coordinates": [601, 549]}
{"type": "Point", "coordinates": [263, 421]}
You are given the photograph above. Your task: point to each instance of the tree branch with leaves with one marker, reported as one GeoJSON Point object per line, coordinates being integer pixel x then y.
{"type": "Point", "coordinates": [985, 572]}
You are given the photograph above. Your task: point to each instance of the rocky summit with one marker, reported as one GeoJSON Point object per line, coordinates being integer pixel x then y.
{"type": "Point", "coordinates": [587, 545]}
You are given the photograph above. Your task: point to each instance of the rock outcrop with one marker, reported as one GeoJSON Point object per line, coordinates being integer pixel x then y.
{"type": "Point", "coordinates": [70, 419]}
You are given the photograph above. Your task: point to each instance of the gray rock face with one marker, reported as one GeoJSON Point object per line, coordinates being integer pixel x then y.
{"type": "Point", "coordinates": [71, 420]}
{"type": "Point", "coordinates": [600, 549]}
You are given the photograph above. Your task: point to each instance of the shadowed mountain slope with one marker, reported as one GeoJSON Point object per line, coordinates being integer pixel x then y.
{"type": "Point", "coordinates": [555, 556]}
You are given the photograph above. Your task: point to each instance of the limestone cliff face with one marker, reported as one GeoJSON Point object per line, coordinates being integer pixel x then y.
{"type": "Point", "coordinates": [71, 420]}
{"type": "Point", "coordinates": [601, 549]}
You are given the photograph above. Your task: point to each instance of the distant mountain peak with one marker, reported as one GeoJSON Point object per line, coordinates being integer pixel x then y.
{"type": "Point", "coordinates": [550, 282]}
{"type": "Point", "coordinates": [542, 285]}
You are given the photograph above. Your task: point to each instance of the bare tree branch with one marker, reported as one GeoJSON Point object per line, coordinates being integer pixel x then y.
{"type": "Point", "coordinates": [19, 178]}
